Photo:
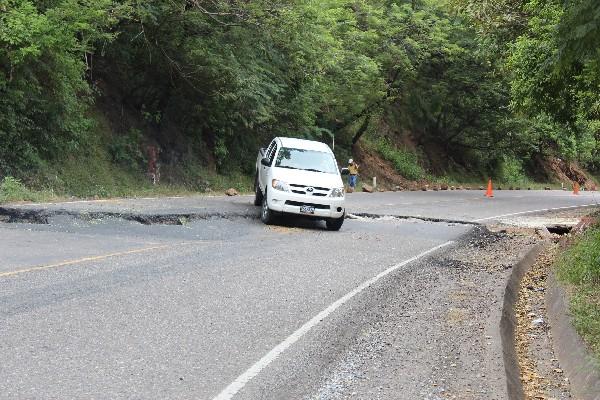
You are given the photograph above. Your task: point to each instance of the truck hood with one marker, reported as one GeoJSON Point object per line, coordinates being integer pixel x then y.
{"type": "Point", "coordinates": [308, 178]}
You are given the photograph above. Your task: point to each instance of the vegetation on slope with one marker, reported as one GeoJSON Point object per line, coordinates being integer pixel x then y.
{"type": "Point", "coordinates": [580, 267]}
{"type": "Point", "coordinates": [477, 88]}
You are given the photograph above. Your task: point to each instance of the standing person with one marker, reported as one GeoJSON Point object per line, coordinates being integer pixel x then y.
{"type": "Point", "coordinates": [353, 177]}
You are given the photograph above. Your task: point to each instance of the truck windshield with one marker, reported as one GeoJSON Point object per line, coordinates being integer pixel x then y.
{"type": "Point", "coordinates": [308, 160]}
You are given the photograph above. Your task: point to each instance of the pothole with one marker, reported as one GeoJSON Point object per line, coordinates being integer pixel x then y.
{"type": "Point", "coordinates": [560, 230]}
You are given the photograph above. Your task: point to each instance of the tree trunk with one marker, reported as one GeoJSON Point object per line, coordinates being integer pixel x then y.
{"type": "Point", "coordinates": [361, 131]}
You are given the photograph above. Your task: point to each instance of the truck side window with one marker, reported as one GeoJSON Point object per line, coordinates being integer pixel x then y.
{"type": "Point", "coordinates": [269, 149]}
{"type": "Point", "coordinates": [271, 155]}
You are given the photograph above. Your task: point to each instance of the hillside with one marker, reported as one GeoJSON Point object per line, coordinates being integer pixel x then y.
{"type": "Point", "coordinates": [94, 95]}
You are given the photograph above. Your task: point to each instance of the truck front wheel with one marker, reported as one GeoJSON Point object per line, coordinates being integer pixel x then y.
{"type": "Point", "coordinates": [266, 215]}
{"type": "Point", "coordinates": [334, 224]}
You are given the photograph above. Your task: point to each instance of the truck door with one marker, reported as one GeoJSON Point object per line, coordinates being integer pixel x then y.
{"type": "Point", "coordinates": [265, 175]}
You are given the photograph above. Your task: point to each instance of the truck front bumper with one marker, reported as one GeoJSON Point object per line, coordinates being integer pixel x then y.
{"type": "Point", "coordinates": [325, 207]}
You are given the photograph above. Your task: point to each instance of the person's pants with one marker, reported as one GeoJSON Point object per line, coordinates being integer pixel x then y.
{"type": "Point", "coordinates": [352, 181]}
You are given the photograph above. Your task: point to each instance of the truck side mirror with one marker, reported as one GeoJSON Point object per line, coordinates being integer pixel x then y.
{"type": "Point", "coordinates": [345, 171]}
{"type": "Point", "coordinates": [265, 161]}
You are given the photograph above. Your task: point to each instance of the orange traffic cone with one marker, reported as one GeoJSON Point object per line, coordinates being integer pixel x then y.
{"type": "Point", "coordinates": [576, 188]}
{"type": "Point", "coordinates": [490, 191]}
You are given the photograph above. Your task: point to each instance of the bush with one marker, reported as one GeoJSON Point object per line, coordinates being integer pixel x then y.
{"type": "Point", "coordinates": [580, 267]}
{"type": "Point", "coordinates": [405, 162]}
{"type": "Point", "coordinates": [511, 171]}
{"type": "Point", "coordinates": [12, 189]}
{"type": "Point", "coordinates": [581, 264]}
{"type": "Point", "coordinates": [126, 150]}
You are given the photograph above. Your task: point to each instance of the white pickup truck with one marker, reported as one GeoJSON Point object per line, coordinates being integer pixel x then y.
{"type": "Point", "coordinates": [299, 177]}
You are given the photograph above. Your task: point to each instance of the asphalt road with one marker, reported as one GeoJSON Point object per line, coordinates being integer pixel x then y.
{"type": "Point", "coordinates": [451, 205]}
{"type": "Point", "coordinates": [229, 308]}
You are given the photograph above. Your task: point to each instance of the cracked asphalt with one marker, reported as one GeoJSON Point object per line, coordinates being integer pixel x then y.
{"type": "Point", "coordinates": [105, 308]}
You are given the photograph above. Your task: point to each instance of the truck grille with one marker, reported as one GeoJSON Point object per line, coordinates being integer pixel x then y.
{"type": "Point", "coordinates": [304, 189]}
{"type": "Point", "coordinates": [300, 204]}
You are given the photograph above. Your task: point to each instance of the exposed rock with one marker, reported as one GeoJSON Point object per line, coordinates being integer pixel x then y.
{"type": "Point", "coordinates": [543, 233]}
{"type": "Point", "coordinates": [444, 187]}
{"type": "Point", "coordinates": [231, 192]}
{"type": "Point", "coordinates": [367, 188]}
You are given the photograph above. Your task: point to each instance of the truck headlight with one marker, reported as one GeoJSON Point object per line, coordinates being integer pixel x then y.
{"type": "Point", "coordinates": [337, 192]}
{"type": "Point", "coordinates": [280, 185]}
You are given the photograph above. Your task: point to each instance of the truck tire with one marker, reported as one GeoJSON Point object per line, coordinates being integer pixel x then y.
{"type": "Point", "coordinates": [266, 215]}
{"type": "Point", "coordinates": [334, 224]}
{"type": "Point", "coordinates": [258, 196]}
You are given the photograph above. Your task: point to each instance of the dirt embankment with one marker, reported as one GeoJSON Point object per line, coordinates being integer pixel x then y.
{"type": "Point", "coordinates": [550, 169]}
{"type": "Point", "coordinates": [373, 165]}
{"type": "Point", "coordinates": [566, 172]}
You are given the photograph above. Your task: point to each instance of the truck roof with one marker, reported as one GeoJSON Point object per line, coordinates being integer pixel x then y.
{"type": "Point", "coordinates": [304, 144]}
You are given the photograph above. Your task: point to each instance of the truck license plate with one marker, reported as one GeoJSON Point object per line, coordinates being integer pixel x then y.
{"type": "Point", "coordinates": [307, 209]}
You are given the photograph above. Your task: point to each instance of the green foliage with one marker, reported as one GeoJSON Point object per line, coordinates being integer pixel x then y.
{"type": "Point", "coordinates": [405, 162]}
{"type": "Point", "coordinates": [12, 189]}
{"type": "Point", "coordinates": [579, 32]}
{"type": "Point", "coordinates": [511, 172]}
{"type": "Point", "coordinates": [484, 82]}
{"type": "Point", "coordinates": [126, 150]}
{"type": "Point", "coordinates": [45, 52]}
{"type": "Point", "coordinates": [580, 266]}
{"type": "Point", "coordinates": [553, 93]}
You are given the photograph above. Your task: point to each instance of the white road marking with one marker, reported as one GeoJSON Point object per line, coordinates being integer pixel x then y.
{"type": "Point", "coordinates": [534, 211]}
{"type": "Point", "coordinates": [230, 391]}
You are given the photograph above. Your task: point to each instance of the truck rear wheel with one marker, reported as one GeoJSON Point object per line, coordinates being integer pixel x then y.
{"type": "Point", "coordinates": [258, 196]}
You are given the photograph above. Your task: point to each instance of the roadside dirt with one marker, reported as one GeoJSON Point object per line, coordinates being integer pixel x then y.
{"type": "Point", "coordinates": [449, 349]}
{"type": "Point", "coordinates": [566, 172]}
{"type": "Point", "coordinates": [371, 164]}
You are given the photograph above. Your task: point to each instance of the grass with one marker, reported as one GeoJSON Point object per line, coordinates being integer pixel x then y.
{"type": "Point", "coordinates": [95, 175]}
{"type": "Point", "coordinates": [12, 190]}
{"type": "Point", "coordinates": [580, 268]}
{"type": "Point", "coordinates": [405, 162]}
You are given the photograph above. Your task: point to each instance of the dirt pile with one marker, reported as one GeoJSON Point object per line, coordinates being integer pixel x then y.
{"type": "Point", "coordinates": [566, 172]}
{"type": "Point", "coordinates": [373, 165]}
